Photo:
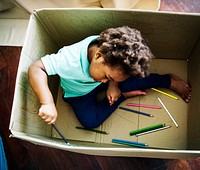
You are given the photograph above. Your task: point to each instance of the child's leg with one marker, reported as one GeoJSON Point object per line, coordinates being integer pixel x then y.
{"type": "Point", "coordinates": [169, 81]}
{"type": "Point", "coordinates": [91, 113]}
{"type": "Point", "coordinates": [153, 80]}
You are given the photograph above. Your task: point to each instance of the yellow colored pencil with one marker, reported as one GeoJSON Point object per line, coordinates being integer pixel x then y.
{"type": "Point", "coordinates": [162, 92]}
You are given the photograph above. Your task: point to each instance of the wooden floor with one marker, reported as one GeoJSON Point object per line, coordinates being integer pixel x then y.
{"type": "Point", "coordinates": [23, 155]}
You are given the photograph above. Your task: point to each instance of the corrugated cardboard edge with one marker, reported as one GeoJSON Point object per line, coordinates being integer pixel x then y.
{"type": "Point", "coordinates": [120, 151]}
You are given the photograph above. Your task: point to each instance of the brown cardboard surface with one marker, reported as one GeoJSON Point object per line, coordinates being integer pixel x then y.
{"type": "Point", "coordinates": [121, 122]}
{"type": "Point", "coordinates": [194, 109]}
{"type": "Point", "coordinates": [173, 137]}
{"type": "Point", "coordinates": [67, 122]}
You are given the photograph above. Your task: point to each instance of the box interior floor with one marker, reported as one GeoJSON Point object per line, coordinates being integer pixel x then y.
{"type": "Point", "coordinates": [120, 123]}
{"type": "Point", "coordinates": [174, 40]}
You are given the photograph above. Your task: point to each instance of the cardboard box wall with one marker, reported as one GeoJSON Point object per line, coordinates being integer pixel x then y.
{"type": "Point", "coordinates": [174, 40]}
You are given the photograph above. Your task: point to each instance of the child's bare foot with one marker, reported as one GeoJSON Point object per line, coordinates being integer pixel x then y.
{"type": "Point", "coordinates": [180, 87]}
{"type": "Point", "coordinates": [134, 93]}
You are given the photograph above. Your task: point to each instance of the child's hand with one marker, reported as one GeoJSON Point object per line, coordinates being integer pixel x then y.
{"type": "Point", "coordinates": [48, 113]}
{"type": "Point", "coordinates": [113, 92]}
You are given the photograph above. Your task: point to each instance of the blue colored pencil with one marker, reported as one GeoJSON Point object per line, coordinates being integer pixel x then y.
{"type": "Point", "coordinates": [135, 111]}
{"type": "Point", "coordinates": [130, 143]}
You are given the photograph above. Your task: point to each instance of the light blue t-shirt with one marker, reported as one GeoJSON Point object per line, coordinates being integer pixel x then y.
{"type": "Point", "coordinates": [72, 65]}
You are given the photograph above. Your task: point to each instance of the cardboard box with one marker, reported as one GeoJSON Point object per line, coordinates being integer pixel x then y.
{"type": "Point", "coordinates": [174, 40]}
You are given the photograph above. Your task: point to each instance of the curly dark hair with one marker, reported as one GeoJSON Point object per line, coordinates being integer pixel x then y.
{"type": "Point", "coordinates": [125, 48]}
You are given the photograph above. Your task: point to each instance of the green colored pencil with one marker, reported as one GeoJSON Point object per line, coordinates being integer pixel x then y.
{"type": "Point", "coordinates": [92, 130]}
{"type": "Point", "coordinates": [146, 129]}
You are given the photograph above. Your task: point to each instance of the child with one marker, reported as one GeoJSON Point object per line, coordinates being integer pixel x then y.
{"type": "Point", "coordinates": [117, 60]}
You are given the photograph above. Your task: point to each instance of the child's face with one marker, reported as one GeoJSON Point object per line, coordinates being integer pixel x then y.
{"type": "Point", "coordinates": [102, 72]}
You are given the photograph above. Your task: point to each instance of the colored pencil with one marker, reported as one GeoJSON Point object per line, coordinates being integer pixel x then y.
{"type": "Point", "coordinates": [62, 136]}
{"type": "Point", "coordinates": [92, 130]}
{"type": "Point", "coordinates": [169, 114]}
{"type": "Point", "coordinates": [146, 129]}
{"type": "Point", "coordinates": [143, 105]}
{"type": "Point", "coordinates": [130, 143]}
{"type": "Point", "coordinates": [167, 94]}
{"type": "Point", "coordinates": [135, 111]}
{"type": "Point", "coordinates": [151, 131]}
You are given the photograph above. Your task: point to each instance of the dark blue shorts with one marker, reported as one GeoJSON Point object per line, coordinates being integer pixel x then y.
{"type": "Point", "coordinates": [91, 113]}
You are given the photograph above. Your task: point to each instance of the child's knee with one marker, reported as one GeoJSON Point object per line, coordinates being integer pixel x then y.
{"type": "Point", "coordinates": [90, 124]}
{"type": "Point", "coordinates": [89, 121]}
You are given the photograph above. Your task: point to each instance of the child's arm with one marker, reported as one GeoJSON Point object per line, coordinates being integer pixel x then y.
{"type": "Point", "coordinates": [39, 82]}
{"type": "Point", "coordinates": [113, 92]}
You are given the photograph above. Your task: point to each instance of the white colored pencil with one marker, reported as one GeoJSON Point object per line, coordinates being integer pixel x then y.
{"type": "Point", "coordinates": [151, 131]}
{"type": "Point", "coordinates": [167, 112]}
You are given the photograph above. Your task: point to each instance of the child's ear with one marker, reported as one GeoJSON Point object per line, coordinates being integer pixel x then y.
{"type": "Point", "coordinates": [99, 58]}
{"type": "Point", "coordinates": [98, 55]}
